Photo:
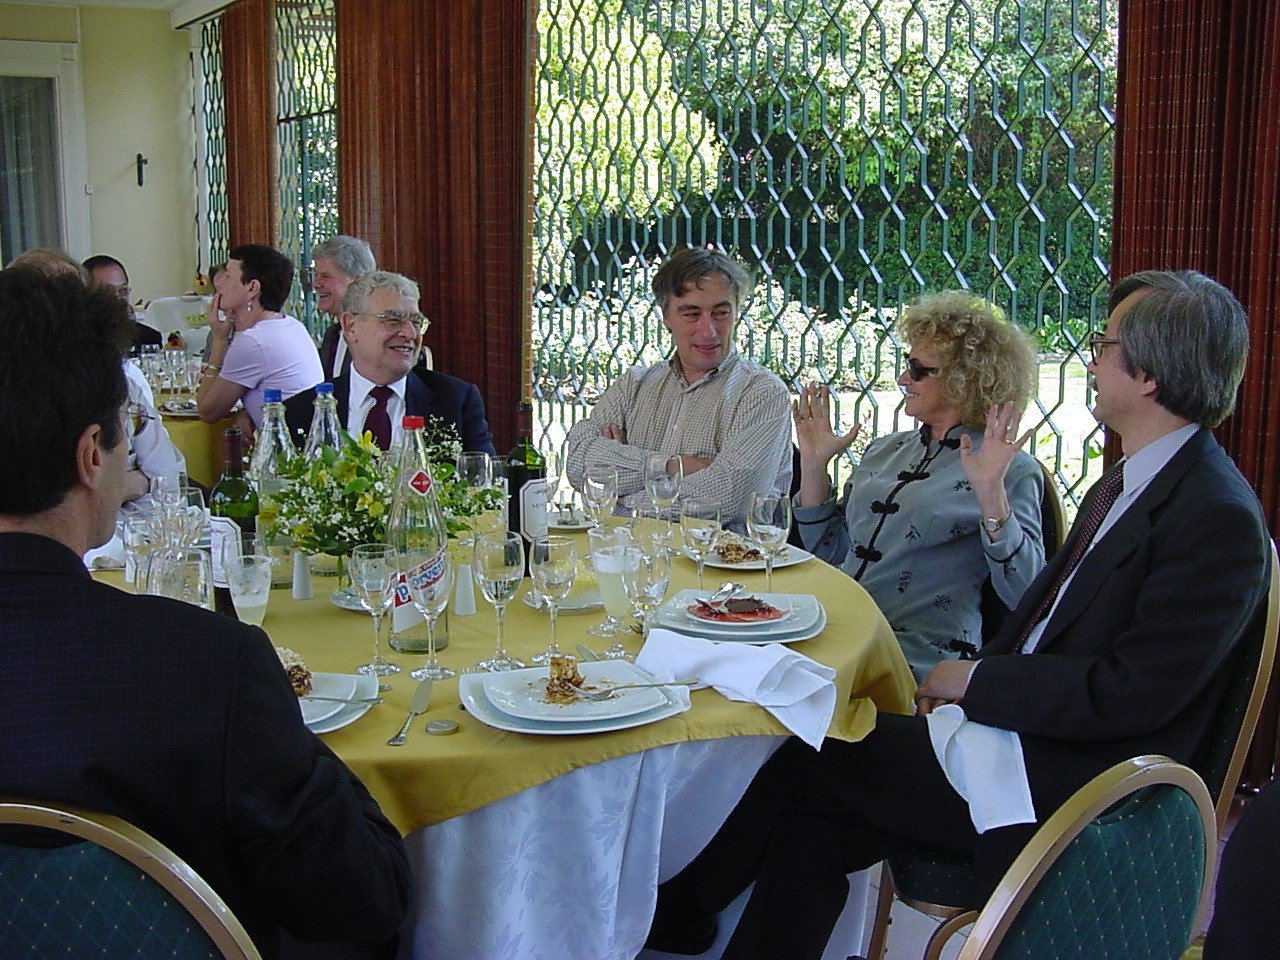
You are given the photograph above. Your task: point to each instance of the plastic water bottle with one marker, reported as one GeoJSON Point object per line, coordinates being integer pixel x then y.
{"type": "Point", "coordinates": [274, 445]}
{"type": "Point", "coordinates": [325, 429]}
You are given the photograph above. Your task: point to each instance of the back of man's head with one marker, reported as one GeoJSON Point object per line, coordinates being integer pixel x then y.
{"type": "Point", "coordinates": [61, 344]}
{"type": "Point", "coordinates": [686, 267]}
{"type": "Point", "coordinates": [1190, 335]}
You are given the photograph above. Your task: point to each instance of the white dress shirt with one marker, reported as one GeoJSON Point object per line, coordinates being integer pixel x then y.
{"type": "Point", "coordinates": [359, 403]}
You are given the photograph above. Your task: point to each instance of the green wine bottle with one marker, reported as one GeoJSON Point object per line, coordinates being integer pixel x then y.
{"type": "Point", "coordinates": [233, 512]}
{"type": "Point", "coordinates": [526, 482]}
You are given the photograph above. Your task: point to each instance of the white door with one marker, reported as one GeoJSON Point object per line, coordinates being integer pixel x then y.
{"type": "Point", "coordinates": [43, 168]}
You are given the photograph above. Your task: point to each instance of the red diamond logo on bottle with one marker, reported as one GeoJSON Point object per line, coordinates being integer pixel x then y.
{"type": "Point", "coordinates": [421, 481]}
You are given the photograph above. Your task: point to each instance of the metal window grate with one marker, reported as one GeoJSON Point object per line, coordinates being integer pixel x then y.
{"type": "Point", "coordinates": [856, 153]}
{"type": "Point", "coordinates": [213, 118]}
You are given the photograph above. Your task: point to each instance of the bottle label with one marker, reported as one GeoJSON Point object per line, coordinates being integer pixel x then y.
{"type": "Point", "coordinates": [533, 509]}
{"type": "Point", "coordinates": [421, 483]}
{"type": "Point", "coordinates": [221, 530]}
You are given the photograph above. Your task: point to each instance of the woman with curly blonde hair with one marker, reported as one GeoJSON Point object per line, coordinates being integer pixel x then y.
{"type": "Point", "coordinates": [931, 513]}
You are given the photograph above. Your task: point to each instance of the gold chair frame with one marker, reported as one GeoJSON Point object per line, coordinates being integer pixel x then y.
{"type": "Point", "coordinates": [150, 856]}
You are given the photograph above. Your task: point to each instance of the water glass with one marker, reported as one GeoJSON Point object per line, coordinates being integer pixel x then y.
{"type": "Point", "coordinates": [663, 475]}
{"type": "Point", "coordinates": [768, 526]}
{"type": "Point", "coordinates": [430, 581]}
{"type": "Point", "coordinates": [652, 528]}
{"type": "Point", "coordinates": [373, 572]}
{"type": "Point", "coordinates": [553, 561]}
{"type": "Point", "coordinates": [140, 537]}
{"type": "Point", "coordinates": [600, 493]}
{"type": "Point", "coordinates": [646, 578]}
{"type": "Point", "coordinates": [182, 575]}
{"type": "Point", "coordinates": [700, 530]}
{"type": "Point", "coordinates": [498, 571]}
{"type": "Point", "coordinates": [249, 580]}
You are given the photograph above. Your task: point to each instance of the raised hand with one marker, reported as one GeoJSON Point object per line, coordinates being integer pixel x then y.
{"type": "Point", "coordinates": [986, 468]}
{"type": "Point", "coordinates": [816, 437]}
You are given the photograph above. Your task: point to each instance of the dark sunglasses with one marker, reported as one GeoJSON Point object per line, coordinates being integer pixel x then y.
{"type": "Point", "coordinates": [917, 371]}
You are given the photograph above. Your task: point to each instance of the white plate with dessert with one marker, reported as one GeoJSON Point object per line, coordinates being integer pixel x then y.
{"type": "Point", "coordinates": [739, 554]}
{"type": "Point", "coordinates": [471, 691]}
{"type": "Point", "coordinates": [806, 620]}
{"type": "Point", "coordinates": [347, 713]}
{"type": "Point", "coordinates": [532, 695]}
{"type": "Point", "coordinates": [327, 685]}
{"type": "Point", "coordinates": [322, 716]}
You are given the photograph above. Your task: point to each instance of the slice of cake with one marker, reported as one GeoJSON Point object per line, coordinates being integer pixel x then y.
{"type": "Point", "coordinates": [562, 686]}
{"type": "Point", "coordinates": [296, 670]}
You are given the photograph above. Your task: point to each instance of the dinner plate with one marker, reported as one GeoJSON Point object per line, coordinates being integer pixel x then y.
{"type": "Point", "coordinates": [347, 600]}
{"type": "Point", "coordinates": [807, 620]}
{"type": "Point", "coordinates": [327, 685]}
{"type": "Point", "coordinates": [348, 713]}
{"type": "Point", "coordinates": [559, 520]}
{"type": "Point", "coordinates": [695, 613]}
{"type": "Point", "coordinates": [471, 692]}
{"type": "Point", "coordinates": [576, 602]}
{"type": "Point", "coordinates": [182, 414]}
{"type": "Point", "coordinates": [790, 558]}
{"type": "Point", "coordinates": [523, 693]}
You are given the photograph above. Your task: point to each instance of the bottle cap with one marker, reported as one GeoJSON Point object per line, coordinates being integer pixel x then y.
{"type": "Point", "coordinates": [324, 389]}
{"type": "Point", "coordinates": [274, 396]}
{"type": "Point", "coordinates": [413, 423]}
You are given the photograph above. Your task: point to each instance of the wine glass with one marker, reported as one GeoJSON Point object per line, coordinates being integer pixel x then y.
{"type": "Point", "coordinates": [553, 561]}
{"type": "Point", "coordinates": [430, 580]}
{"type": "Point", "coordinates": [183, 575]}
{"type": "Point", "coordinates": [499, 569]}
{"type": "Point", "coordinates": [606, 545]}
{"type": "Point", "coordinates": [372, 572]}
{"type": "Point", "coordinates": [600, 491]}
{"type": "Point", "coordinates": [646, 577]}
{"type": "Point", "coordinates": [768, 526]}
{"type": "Point", "coordinates": [662, 478]}
{"type": "Point", "coordinates": [651, 527]}
{"type": "Point", "coordinates": [249, 580]}
{"type": "Point", "coordinates": [700, 529]}
{"type": "Point", "coordinates": [553, 479]}
{"type": "Point", "coordinates": [139, 534]}
{"type": "Point", "coordinates": [474, 469]}
{"type": "Point", "coordinates": [166, 489]}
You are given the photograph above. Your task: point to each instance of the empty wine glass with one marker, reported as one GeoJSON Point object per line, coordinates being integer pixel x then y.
{"type": "Point", "coordinates": [651, 527]}
{"type": "Point", "coordinates": [646, 578]}
{"type": "Point", "coordinates": [139, 534]}
{"type": "Point", "coordinates": [662, 478]}
{"type": "Point", "coordinates": [373, 570]}
{"type": "Point", "coordinates": [555, 473]}
{"type": "Point", "coordinates": [553, 561]}
{"type": "Point", "coordinates": [606, 557]}
{"type": "Point", "coordinates": [768, 526]}
{"type": "Point", "coordinates": [498, 570]}
{"type": "Point", "coordinates": [474, 469]}
{"type": "Point", "coordinates": [600, 492]}
{"type": "Point", "coordinates": [430, 581]}
{"type": "Point", "coordinates": [183, 575]}
{"type": "Point", "coordinates": [700, 529]}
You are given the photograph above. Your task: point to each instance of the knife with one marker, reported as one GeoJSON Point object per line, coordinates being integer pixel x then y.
{"type": "Point", "coordinates": [586, 653]}
{"type": "Point", "coordinates": [421, 698]}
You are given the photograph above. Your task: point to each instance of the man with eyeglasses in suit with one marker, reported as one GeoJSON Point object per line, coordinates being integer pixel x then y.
{"type": "Point", "coordinates": [383, 328]}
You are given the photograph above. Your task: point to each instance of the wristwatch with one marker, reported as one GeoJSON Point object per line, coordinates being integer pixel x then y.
{"type": "Point", "coordinates": [993, 525]}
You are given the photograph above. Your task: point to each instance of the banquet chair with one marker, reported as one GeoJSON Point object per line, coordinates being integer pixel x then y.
{"type": "Point", "coordinates": [115, 893]}
{"type": "Point", "coordinates": [1123, 869]}
{"type": "Point", "coordinates": [936, 882]}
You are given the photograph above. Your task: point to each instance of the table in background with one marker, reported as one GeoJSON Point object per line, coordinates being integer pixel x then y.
{"type": "Point", "coordinates": [185, 314]}
{"type": "Point", "coordinates": [200, 444]}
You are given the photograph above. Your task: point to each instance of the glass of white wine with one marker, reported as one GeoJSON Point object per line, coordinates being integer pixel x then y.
{"type": "Point", "coordinates": [700, 530]}
{"type": "Point", "coordinates": [768, 526]}
{"type": "Point", "coordinates": [553, 561]}
{"type": "Point", "coordinates": [498, 571]}
{"type": "Point", "coordinates": [607, 559]}
{"type": "Point", "coordinates": [373, 569]}
{"type": "Point", "coordinates": [249, 580]}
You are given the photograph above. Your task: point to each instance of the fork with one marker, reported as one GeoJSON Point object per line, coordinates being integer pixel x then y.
{"type": "Point", "coordinates": [606, 693]}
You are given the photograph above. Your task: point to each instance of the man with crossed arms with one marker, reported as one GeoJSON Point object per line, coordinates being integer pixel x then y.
{"type": "Point", "coordinates": [1122, 646]}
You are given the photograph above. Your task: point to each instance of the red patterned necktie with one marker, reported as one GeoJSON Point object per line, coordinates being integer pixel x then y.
{"type": "Point", "coordinates": [378, 421]}
{"type": "Point", "coordinates": [1109, 488]}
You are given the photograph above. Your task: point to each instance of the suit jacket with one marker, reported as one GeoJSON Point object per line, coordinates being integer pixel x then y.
{"type": "Point", "coordinates": [181, 721]}
{"type": "Point", "coordinates": [1135, 658]}
{"type": "Point", "coordinates": [427, 394]}
{"type": "Point", "coordinates": [329, 350]}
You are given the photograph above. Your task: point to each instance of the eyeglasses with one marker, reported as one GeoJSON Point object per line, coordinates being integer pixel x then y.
{"type": "Point", "coordinates": [917, 371]}
{"type": "Point", "coordinates": [136, 418]}
{"type": "Point", "coordinates": [393, 322]}
{"type": "Point", "coordinates": [1096, 344]}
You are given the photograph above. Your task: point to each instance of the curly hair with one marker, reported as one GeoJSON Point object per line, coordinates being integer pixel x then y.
{"type": "Point", "coordinates": [985, 359]}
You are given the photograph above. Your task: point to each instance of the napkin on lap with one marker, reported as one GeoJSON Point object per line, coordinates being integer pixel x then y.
{"type": "Point", "coordinates": [985, 765]}
{"type": "Point", "coordinates": [798, 691]}
{"type": "Point", "coordinates": [109, 556]}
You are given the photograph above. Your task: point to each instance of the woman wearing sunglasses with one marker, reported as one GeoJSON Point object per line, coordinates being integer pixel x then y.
{"type": "Point", "coordinates": [931, 513]}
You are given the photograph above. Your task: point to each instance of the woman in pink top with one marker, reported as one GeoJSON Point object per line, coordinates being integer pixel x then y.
{"type": "Point", "coordinates": [270, 349]}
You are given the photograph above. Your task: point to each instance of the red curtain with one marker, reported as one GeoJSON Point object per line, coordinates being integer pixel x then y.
{"type": "Point", "coordinates": [249, 70]}
{"type": "Point", "coordinates": [1197, 186]}
{"type": "Point", "coordinates": [434, 116]}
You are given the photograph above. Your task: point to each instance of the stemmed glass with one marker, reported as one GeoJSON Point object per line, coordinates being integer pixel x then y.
{"type": "Point", "coordinates": [373, 567]}
{"type": "Point", "coordinates": [141, 538]}
{"type": "Point", "coordinates": [700, 529]}
{"type": "Point", "coordinates": [552, 481]}
{"type": "Point", "coordinates": [646, 577]}
{"type": "Point", "coordinates": [651, 527]}
{"type": "Point", "coordinates": [662, 478]}
{"type": "Point", "coordinates": [499, 569]}
{"type": "Point", "coordinates": [553, 561]}
{"type": "Point", "coordinates": [600, 492]}
{"type": "Point", "coordinates": [607, 557]}
{"type": "Point", "coordinates": [430, 580]}
{"type": "Point", "coordinates": [183, 575]}
{"type": "Point", "coordinates": [768, 526]}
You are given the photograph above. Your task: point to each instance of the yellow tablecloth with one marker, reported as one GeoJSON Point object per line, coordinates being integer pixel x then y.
{"type": "Point", "coordinates": [431, 779]}
{"type": "Point", "coordinates": [200, 443]}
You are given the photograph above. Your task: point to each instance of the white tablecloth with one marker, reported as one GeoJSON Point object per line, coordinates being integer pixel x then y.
{"type": "Point", "coordinates": [167, 314]}
{"type": "Point", "coordinates": [568, 870]}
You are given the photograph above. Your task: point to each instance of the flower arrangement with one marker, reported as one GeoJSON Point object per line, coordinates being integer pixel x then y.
{"type": "Point", "coordinates": [342, 497]}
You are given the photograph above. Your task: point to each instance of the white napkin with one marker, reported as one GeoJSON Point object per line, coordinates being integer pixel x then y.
{"type": "Point", "coordinates": [109, 556]}
{"type": "Point", "coordinates": [798, 691]}
{"type": "Point", "coordinates": [985, 766]}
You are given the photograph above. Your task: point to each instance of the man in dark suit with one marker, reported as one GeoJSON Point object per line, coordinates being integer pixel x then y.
{"type": "Point", "coordinates": [111, 272]}
{"type": "Point", "coordinates": [172, 717]}
{"type": "Point", "coordinates": [1120, 647]}
{"type": "Point", "coordinates": [383, 329]}
{"type": "Point", "coordinates": [335, 263]}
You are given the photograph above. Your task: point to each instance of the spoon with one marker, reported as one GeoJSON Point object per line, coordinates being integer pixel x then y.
{"type": "Point", "coordinates": [728, 590]}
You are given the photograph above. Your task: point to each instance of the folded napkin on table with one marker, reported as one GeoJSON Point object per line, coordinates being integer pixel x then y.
{"type": "Point", "coordinates": [985, 765]}
{"type": "Point", "coordinates": [109, 556]}
{"type": "Point", "coordinates": [798, 691]}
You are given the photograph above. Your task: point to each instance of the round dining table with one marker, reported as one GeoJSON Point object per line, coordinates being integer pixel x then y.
{"type": "Point", "coordinates": [528, 846]}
